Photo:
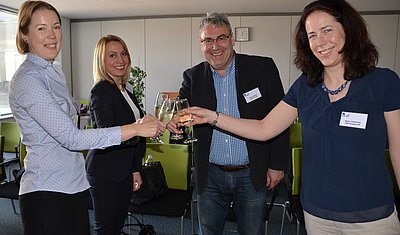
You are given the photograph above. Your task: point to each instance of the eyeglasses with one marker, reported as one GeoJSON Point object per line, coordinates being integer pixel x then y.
{"type": "Point", "coordinates": [219, 40]}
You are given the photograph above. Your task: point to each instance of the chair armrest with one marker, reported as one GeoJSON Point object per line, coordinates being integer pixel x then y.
{"type": "Point", "coordinates": [6, 162]}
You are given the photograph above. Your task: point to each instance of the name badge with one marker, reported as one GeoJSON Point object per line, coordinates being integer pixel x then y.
{"type": "Point", "coordinates": [354, 120]}
{"type": "Point", "coordinates": [252, 95]}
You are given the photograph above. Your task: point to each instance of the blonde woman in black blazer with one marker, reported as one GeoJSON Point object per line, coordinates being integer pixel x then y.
{"type": "Point", "coordinates": [113, 172]}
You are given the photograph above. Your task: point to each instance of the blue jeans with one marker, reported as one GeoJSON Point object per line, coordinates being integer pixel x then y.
{"type": "Point", "coordinates": [221, 190]}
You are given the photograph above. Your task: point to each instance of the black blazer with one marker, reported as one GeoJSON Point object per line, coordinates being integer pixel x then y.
{"type": "Point", "coordinates": [108, 108]}
{"type": "Point", "coordinates": [251, 72]}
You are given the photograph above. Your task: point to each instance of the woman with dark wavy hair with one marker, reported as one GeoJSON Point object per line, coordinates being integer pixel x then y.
{"type": "Point", "coordinates": [349, 110]}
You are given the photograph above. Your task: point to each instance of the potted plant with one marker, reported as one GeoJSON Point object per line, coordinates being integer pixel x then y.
{"type": "Point", "coordinates": [136, 79]}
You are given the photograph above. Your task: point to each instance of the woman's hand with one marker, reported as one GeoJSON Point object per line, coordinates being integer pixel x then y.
{"type": "Point", "coordinates": [174, 125]}
{"type": "Point", "coordinates": [150, 126]}
{"type": "Point", "coordinates": [137, 181]}
{"type": "Point", "coordinates": [200, 115]}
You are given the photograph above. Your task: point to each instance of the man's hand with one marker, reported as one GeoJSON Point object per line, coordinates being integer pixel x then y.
{"type": "Point", "coordinates": [274, 177]}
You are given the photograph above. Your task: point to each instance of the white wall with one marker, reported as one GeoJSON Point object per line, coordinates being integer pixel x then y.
{"type": "Point", "coordinates": [168, 53]}
{"type": "Point", "coordinates": [84, 37]}
{"type": "Point", "coordinates": [383, 31]}
{"type": "Point", "coordinates": [65, 54]}
{"type": "Point", "coordinates": [165, 47]}
{"type": "Point", "coordinates": [270, 36]}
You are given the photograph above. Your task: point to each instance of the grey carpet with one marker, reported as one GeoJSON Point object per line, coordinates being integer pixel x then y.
{"type": "Point", "coordinates": [10, 223]}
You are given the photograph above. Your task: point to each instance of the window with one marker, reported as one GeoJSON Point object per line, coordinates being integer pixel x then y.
{"type": "Point", "coordinates": [10, 59]}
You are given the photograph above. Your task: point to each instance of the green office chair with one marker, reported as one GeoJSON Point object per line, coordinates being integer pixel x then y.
{"type": "Point", "coordinates": [296, 145]}
{"type": "Point", "coordinates": [12, 136]}
{"type": "Point", "coordinates": [3, 175]}
{"type": "Point", "coordinates": [22, 153]}
{"type": "Point", "coordinates": [295, 135]}
{"type": "Point", "coordinates": [295, 205]}
{"type": "Point", "coordinates": [11, 133]}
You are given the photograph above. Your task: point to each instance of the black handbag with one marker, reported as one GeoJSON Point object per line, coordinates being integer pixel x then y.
{"type": "Point", "coordinates": [154, 184]}
{"type": "Point", "coordinates": [145, 229]}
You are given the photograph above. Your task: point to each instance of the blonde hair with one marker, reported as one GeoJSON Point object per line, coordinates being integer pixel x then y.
{"type": "Point", "coordinates": [99, 68]}
{"type": "Point", "coordinates": [24, 20]}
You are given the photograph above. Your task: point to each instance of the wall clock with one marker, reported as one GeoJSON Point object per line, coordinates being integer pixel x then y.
{"type": "Point", "coordinates": [242, 34]}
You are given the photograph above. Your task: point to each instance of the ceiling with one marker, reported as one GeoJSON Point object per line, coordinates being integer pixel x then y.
{"type": "Point", "coordinates": [94, 9]}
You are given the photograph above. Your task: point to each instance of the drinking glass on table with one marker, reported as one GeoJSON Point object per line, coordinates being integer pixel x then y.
{"type": "Point", "coordinates": [181, 104]}
{"type": "Point", "coordinates": [165, 114]}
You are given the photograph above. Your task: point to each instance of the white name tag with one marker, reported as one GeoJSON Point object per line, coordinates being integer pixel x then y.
{"type": "Point", "coordinates": [252, 95]}
{"type": "Point", "coordinates": [354, 120]}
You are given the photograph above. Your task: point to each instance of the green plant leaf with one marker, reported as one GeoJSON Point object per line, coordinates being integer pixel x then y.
{"type": "Point", "coordinates": [136, 79]}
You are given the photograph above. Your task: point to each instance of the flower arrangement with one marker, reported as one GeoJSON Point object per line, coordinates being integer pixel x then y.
{"type": "Point", "coordinates": [136, 79]}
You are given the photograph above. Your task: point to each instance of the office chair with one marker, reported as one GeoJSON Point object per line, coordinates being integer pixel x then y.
{"type": "Point", "coordinates": [11, 132]}
{"type": "Point", "coordinates": [294, 179]}
{"type": "Point", "coordinates": [294, 195]}
{"type": "Point", "coordinates": [3, 175]}
{"type": "Point", "coordinates": [10, 189]}
{"type": "Point", "coordinates": [176, 162]}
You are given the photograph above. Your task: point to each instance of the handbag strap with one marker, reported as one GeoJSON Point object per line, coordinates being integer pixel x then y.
{"type": "Point", "coordinates": [271, 204]}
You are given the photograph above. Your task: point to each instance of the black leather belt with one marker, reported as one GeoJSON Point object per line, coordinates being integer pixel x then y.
{"type": "Point", "coordinates": [231, 168]}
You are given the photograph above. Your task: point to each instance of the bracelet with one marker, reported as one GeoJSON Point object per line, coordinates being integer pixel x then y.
{"type": "Point", "coordinates": [214, 123]}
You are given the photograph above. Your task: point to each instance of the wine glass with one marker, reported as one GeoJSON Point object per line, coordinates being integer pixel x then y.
{"type": "Point", "coordinates": [181, 104]}
{"type": "Point", "coordinates": [166, 112]}
{"type": "Point", "coordinates": [160, 98]}
{"type": "Point", "coordinates": [158, 102]}
{"type": "Point", "coordinates": [177, 136]}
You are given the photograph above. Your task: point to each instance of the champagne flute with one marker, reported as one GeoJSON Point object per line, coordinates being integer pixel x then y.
{"type": "Point", "coordinates": [184, 117]}
{"type": "Point", "coordinates": [158, 102]}
{"type": "Point", "coordinates": [165, 115]}
{"type": "Point", "coordinates": [167, 110]}
{"type": "Point", "coordinates": [160, 98]}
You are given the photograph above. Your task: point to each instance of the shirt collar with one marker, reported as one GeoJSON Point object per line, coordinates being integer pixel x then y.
{"type": "Point", "coordinates": [38, 60]}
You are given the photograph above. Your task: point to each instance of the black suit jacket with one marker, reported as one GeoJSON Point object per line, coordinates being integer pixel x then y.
{"type": "Point", "coordinates": [108, 108]}
{"type": "Point", "coordinates": [251, 72]}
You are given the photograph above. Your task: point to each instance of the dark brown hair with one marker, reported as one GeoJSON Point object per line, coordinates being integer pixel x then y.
{"type": "Point", "coordinates": [359, 53]}
{"type": "Point", "coordinates": [24, 20]}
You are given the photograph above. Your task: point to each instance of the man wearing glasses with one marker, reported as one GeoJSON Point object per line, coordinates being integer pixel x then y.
{"type": "Point", "coordinates": [231, 170]}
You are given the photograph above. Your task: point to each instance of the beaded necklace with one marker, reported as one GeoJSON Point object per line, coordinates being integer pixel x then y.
{"type": "Point", "coordinates": [334, 92]}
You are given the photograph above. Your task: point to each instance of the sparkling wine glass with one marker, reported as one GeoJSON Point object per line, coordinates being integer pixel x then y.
{"type": "Point", "coordinates": [167, 110]}
{"type": "Point", "coordinates": [160, 99]}
{"type": "Point", "coordinates": [177, 136]}
{"type": "Point", "coordinates": [181, 104]}
{"type": "Point", "coordinates": [158, 102]}
{"type": "Point", "coordinates": [165, 114]}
